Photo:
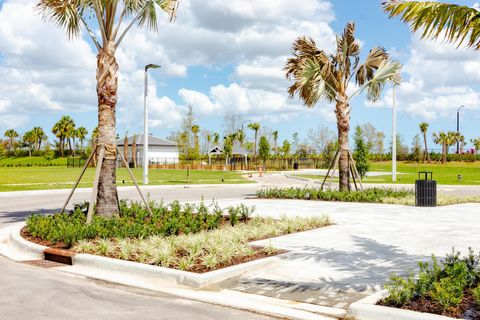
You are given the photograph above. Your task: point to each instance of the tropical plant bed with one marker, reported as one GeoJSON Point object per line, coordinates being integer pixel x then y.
{"type": "Point", "coordinates": [370, 195]}
{"type": "Point", "coordinates": [450, 288]}
{"type": "Point", "coordinates": [184, 237]}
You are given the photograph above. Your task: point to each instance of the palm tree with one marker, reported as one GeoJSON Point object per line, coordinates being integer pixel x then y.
{"type": "Point", "coordinates": [452, 138]}
{"type": "Point", "coordinates": [275, 140]}
{"type": "Point", "coordinates": [216, 138]}
{"type": "Point", "coordinates": [40, 136]}
{"type": "Point", "coordinates": [62, 130]}
{"type": "Point", "coordinates": [195, 129]}
{"type": "Point", "coordinates": [255, 126]}
{"type": "Point", "coordinates": [29, 139]}
{"type": "Point", "coordinates": [241, 136]}
{"type": "Point", "coordinates": [476, 144]}
{"type": "Point", "coordinates": [423, 129]}
{"type": "Point", "coordinates": [441, 138]}
{"type": "Point", "coordinates": [110, 17]}
{"type": "Point", "coordinates": [461, 139]}
{"type": "Point", "coordinates": [11, 134]}
{"type": "Point", "coordinates": [81, 133]}
{"type": "Point", "coordinates": [317, 76]}
{"type": "Point", "coordinates": [451, 22]}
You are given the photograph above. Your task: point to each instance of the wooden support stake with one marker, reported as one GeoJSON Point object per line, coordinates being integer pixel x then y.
{"type": "Point", "coordinates": [95, 184]}
{"type": "Point", "coordinates": [332, 164]}
{"type": "Point", "coordinates": [78, 180]}
{"type": "Point", "coordinates": [356, 171]}
{"type": "Point", "coordinates": [136, 185]}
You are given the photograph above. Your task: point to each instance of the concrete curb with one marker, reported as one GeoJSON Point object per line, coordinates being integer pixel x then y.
{"type": "Point", "coordinates": [170, 282]}
{"type": "Point", "coordinates": [194, 280]}
{"type": "Point", "coordinates": [366, 309]}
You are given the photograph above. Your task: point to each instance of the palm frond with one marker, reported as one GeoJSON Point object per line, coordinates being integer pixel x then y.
{"type": "Point", "coordinates": [312, 73]}
{"type": "Point", "coordinates": [388, 71]}
{"type": "Point", "coordinates": [455, 23]}
{"type": "Point", "coordinates": [366, 71]}
{"type": "Point", "coordinates": [66, 14]}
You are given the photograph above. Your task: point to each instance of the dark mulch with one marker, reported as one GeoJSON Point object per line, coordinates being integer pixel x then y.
{"type": "Point", "coordinates": [468, 309]}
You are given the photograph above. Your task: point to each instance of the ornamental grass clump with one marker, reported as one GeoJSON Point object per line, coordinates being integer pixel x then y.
{"type": "Point", "coordinates": [371, 195]}
{"type": "Point", "coordinates": [444, 287]}
{"type": "Point", "coordinates": [205, 250]}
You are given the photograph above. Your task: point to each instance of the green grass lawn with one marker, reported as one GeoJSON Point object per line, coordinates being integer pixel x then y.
{"type": "Point", "coordinates": [39, 178]}
{"type": "Point", "coordinates": [408, 172]}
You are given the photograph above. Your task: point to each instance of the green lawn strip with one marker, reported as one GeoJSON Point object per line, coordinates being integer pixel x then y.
{"type": "Point", "coordinates": [39, 178]}
{"type": "Point", "coordinates": [450, 287]}
{"type": "Point", "coordinates": [32, 161]}
{"type": "Point", "coordinates": [446, 174]}
{"type": "Point", "coordinates": [195, 238]}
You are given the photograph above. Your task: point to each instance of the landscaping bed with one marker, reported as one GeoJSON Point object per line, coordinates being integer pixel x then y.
{"type": "Point", "coordinates": [185, 237]}
{"type": "Point", "coordinates": [370, 195]}
{"type": "Point", "coordinates": [450, 288]}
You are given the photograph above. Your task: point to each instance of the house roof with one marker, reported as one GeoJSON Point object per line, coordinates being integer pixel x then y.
{"type": "Point", "coordinates": [152, 141]}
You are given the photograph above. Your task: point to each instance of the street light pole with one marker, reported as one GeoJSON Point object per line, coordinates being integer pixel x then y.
{"type": "Point", "coordinates": [394, 136]}
{"type": "Point", "coordinates": [458, 128]}
{"type": "Point", "coordinates": [145, 124]}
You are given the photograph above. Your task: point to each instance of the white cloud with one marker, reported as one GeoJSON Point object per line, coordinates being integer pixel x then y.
{"type": "Point", "coordinates": [438, 79]}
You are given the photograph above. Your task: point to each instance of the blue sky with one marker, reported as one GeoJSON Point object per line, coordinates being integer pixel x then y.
{"type": "Point", "coordinates": [223, 59]}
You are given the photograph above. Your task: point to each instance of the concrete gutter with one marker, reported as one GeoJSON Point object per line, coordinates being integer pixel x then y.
{"type": "Point", "coordinates": [366, 309]}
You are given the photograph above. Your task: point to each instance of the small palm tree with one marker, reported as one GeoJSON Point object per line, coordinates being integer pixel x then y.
{"type": "Point", "coordinates": [195, 130]}
{"type": "Point", "coordinates": [476, 144]}
{"type": "Point", "coordinates": [423, 129]}
{"type": "Point", "coordinates": [255, 126]}
{"type": "Point", "coordinates": [461, 139]}
{"type": "Point", "coordinates": [40, 136]}
{"type": "Point", "coordinates": [81, 134]}
{"type": "Point", "coordinates": [446, 140]}
{"type": "Point", "coordinates": [317, 76]}
{"type": "Point", "coordinates": [113, 20]}
{"type": "Point", "coordinates": [454, 23]}
{"type": "Point", "coordinates": [62, 130]}
{"type": "Point", "coordinates": [275, 141]}
{"type": "Point", "coordinates": [29, 139]}
{"type": "Point", "coordinates": [11, 134]}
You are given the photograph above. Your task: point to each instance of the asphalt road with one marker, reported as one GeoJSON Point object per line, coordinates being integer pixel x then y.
{"type": "Point", "coordinates": [28, 292]}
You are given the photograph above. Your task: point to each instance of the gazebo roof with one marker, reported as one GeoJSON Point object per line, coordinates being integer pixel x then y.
{"type": "Point", "coordinates": [152, 141]}
{"type": "Point", "coordinates": [237, 150]}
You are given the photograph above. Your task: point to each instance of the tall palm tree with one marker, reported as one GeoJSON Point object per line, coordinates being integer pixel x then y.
{"type": "Point", "coordinates": [11, 134]}
{"type": "Point", "coordinates": [216, 138]}
{"type": "Point", "coordinates": [29, 139]}
{"type": "Point", "coordinates": [423, 129]}
{"type": "Point", "coordinates": [317, 76]}
{"type": "Point", "coordinates": [452, 138]}
{"type": "Point", "coordinates": [255, 126]}
{"type": "Point", "coordinates": [111, 20]}
{"type": "Point", "coordinates": [81, 134]}
{"type": "Point", "coordinates": [476, 144]}
{"type": "Point", "coordinates": [62, 130]}
{"type": "Point", "coordinates": [275, 140]}
{"type": "Point", "coordinates": [195, 130]}
{"type": "Point", "coordinates": [451, 22]}
{"type": "Point", "coordinates": [40, 136]}
{"type": "Point", "coordinates": [442, 139]}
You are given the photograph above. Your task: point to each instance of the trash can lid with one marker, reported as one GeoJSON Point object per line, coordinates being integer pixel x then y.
{"type": "Point", "coordinates": [425, 174]}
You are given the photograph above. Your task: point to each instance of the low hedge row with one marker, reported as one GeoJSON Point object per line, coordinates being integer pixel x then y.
{"type": "Point", "coordinates": [374, 195]}
{"type": "Point", "coordinates": [33, 162]}
{"type": "Point", "coordinates": [134, 222]}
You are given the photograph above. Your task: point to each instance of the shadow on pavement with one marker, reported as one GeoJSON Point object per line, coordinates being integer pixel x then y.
{"type": "Point", "coordinates": [19, 216]}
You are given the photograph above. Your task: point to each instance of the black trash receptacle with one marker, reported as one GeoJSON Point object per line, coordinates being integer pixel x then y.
{"type": "Point", "coordinates": [425, 190]}
{"type": "Point", "coordinates": [295, 166]}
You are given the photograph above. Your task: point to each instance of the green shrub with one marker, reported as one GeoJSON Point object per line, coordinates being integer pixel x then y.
{"type": "Point", "coordinates": [134, 222]}
{"type": "Point", "coordinates": [476, 294]}
{"type": "Point", "coordinates": [448, 292]}
{"type": "Point", "coordinates": [375, 195]}
{"type": "Point", "coordinates": [445, 282]}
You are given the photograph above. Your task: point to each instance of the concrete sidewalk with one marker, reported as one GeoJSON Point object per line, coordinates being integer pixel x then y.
{"type": "Point", "coordinates": [338, 265]}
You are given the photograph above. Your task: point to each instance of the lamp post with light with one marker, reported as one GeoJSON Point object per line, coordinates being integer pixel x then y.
{"type": "Point", "coordinates": [145, 124]}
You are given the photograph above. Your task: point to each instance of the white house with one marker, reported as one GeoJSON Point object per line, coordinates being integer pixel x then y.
{"type": "Point", "coordinates": [159, 150]}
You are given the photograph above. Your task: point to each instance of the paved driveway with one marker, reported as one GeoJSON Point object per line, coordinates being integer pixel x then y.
{"type": "Point", "coordinates": [339, 264]}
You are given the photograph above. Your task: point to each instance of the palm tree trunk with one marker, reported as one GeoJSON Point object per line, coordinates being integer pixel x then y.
{"type": "Point", "coordinates": [343, 126]}
{"type": "Point", "coordinates": [61, 142]}
{"type": "Point", "coordinates": [107, 85]}
{"type": "Point", "coordinates": [426, 155]}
